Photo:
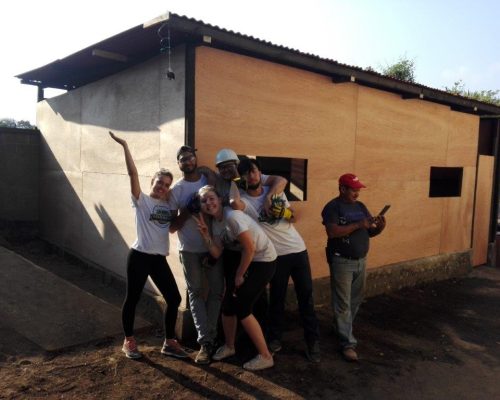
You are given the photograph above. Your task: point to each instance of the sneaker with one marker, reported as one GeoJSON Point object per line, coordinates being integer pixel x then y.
{"type": "Point", "coordinates": [130, 349]}
{"type": "Point", "coordinates": [203, 356]}
{"type": "Point", "coordinates": [350, 354]}
{"type": "Point", "coordinates": [223, 352]}
{"type": "Point", "coordinates": [313, 353]}
{"type": "Point", "coordinates": [274, 346]}
{"type": "Point", "coordinates": [258, 362]}
{"type": "Point", "coordinates": [171, 347]}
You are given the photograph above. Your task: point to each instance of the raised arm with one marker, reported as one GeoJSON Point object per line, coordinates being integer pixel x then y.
{"type": "Point", "coordinates": [135, 186]}
{"type": "Point", "coordinates": [209, 174]}
{"type": "Point", "coordinates": [234, 198]}
{"type": "Point", "coordinates": [277, 185]}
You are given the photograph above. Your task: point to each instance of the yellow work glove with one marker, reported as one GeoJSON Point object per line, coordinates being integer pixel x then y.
{"type": "Point", "coordinates": [280, 211]}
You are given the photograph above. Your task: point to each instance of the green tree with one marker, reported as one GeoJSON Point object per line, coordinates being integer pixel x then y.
{"type": "Point", "coordinates": [24, 124]}
{"type": "Point", "coordinates": [8, 122]}
{"type": "Point", "coordinates": [12, 123]}
{"type": "Point", "coordinates": [403, 69]}
{"type": "Point", "coordinates": [487, 96]}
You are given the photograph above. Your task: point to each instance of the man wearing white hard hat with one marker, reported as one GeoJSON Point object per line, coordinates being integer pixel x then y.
{"type": "Point", "coordinates": [227, 162]}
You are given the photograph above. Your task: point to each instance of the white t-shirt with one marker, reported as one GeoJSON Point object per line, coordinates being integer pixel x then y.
{"type": "Point", "coordinates": [190, 238]}
{"type": "Point", "coordinates": [236, 222]}
{"type": "Point", "coordinates": [285, 237]}
{"type": "Point", "coordinates": [152, 221]}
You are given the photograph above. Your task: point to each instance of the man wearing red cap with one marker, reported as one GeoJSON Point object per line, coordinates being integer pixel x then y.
{"type": "Point", "coordinates": [349, 226]}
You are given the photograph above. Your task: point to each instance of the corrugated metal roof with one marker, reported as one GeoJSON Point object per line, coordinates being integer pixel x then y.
{"type": "Point", "coordinates": [142, 42]}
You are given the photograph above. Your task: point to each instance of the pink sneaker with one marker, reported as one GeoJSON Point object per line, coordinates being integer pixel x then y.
{"type": "Point", "coordinates": [171, 347]}
{"type": "Point", "coordinates": [130, 348]}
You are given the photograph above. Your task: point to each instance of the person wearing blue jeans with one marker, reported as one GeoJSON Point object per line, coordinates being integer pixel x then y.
{"type": "Point", "coordinates": [349, 227]}
{"type": "Point", "coordinates": [198, 266]}
{"type": "Point", "coordinates": [205, 307]}
{"type": "Point", "coordinates": [347, 280]}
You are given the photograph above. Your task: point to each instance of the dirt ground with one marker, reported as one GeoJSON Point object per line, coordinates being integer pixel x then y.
{"type": "Point", "coordinates": [438, 341]}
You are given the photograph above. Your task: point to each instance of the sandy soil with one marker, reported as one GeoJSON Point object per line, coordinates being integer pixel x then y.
{"type": "Point", "coordinates": [438, 341]}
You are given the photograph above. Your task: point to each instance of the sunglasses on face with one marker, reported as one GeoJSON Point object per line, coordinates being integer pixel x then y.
{"type": "Point", "coordinates": [186, 159]}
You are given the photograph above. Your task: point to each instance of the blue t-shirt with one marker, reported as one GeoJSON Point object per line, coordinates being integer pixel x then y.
{"type": "Point", "coordinates": [357, 243]}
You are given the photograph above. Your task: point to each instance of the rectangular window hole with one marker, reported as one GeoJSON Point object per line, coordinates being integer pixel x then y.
{"type": "Point", "coordinates": [446, 182]}
{"type": "Point", "coordinates": [293, 169]}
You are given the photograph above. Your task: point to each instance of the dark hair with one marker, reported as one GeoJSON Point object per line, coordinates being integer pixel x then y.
{"type": "Point", "coordinates": [162, 172]}
{"type": "Point", "coordinates": [246, 165]}
{"type": "Point", "coordinates": [185, 149]}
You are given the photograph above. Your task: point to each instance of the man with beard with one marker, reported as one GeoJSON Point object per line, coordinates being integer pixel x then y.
{"type": "Point", "coordinates": [292, 261]}
{"type": "Point", "coordinates": [194, 255]}
{"type": "Point", "coordinates": [349, 227]}
{"type": "Point", "coordinates": [227, 162]}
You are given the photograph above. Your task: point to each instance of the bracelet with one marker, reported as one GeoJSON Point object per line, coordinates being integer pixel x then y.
{"type": "Point", "coordinates": [208, 242]}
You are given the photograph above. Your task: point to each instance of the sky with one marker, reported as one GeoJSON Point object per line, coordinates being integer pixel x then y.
{"type": "Point", "coordinates": [448, 40]}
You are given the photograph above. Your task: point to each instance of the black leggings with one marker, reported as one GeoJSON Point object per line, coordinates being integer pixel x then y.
{"type": "Point", "coordinates": [139, 266]}
{"type": "Point", "coordinates": [240, 302]}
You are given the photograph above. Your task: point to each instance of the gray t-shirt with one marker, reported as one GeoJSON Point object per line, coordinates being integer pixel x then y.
{"type": "Point", "coordinates": [233, 224]}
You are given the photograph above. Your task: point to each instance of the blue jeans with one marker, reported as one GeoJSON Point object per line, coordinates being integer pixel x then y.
{"type": "Point", "coordinates": [347, 280]}
{"type": "Point", "coordinates": [204, 307]}
{"type": "Point", "coordinates": [297, 266]}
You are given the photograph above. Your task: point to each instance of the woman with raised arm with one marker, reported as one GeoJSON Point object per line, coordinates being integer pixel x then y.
{"type": "Point", "coordinates": [147, 256]}
{"type": "Point", "coordinates": [232, 228]}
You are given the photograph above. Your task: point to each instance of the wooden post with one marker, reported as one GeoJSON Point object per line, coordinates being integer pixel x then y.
{"type": "Point", "coordinates": [41, 95]}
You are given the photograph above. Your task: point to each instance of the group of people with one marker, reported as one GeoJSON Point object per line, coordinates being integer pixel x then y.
{"type": "Point", "coordinates": [234, 241]}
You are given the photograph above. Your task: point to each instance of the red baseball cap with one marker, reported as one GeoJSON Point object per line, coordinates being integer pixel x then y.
{"type": "Point", "coordinates": [351, 181]}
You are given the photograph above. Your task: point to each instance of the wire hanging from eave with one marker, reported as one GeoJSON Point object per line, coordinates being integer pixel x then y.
{"type": "Point", "coordinates": [165, 47]}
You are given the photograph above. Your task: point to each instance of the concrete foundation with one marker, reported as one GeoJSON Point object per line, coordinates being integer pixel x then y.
{"type": "Point", "coordinates": [380, 280]}
{"type": "Point", "coordinates": [399, 275]}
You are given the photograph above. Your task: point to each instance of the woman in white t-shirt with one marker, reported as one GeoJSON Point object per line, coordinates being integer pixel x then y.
{"type": "Point", "coordinates": [256, 268]}
{"type": "Point", "coordinates": [147, 257]}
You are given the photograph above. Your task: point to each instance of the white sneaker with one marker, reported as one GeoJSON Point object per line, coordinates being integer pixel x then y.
{"type": "Point", "coordinates": [258, 362]}
{"type": "Point", "coordinates": [223, 352]}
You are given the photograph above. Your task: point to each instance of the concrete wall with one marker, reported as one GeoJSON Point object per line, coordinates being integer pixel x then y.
{"type": "Point", "coordinates": [19, 174]}
{"type": "Point", "coordinates": [261, 108]}
{"type": "Point", "coordinates": [85, 197]}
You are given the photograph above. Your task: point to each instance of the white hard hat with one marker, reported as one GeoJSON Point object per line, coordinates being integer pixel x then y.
{"type": "Point", "coordinates": [226, 155]}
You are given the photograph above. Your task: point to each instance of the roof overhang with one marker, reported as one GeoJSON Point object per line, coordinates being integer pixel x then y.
{"type": "Point", "coordinates": [142, 42]}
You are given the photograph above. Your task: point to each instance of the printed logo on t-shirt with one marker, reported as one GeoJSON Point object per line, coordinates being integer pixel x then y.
{"type": "Point", "coordinates": [161, 216]}
{"type": "Point", "coordinates": [350, 217]}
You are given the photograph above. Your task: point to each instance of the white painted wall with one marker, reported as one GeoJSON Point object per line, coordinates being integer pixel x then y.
{"type": "Point", "coordinates": [85, 203]}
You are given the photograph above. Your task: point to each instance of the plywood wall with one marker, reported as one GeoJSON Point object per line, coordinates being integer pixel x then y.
{"type": "Point", "coordinates": [262, 108]}
{"type": "Point", "coordinates": [482, 214]}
